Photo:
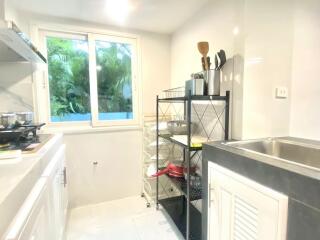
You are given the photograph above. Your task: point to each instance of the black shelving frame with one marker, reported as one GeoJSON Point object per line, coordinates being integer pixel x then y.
{"type": "Point", "coordinates": [186, 216]}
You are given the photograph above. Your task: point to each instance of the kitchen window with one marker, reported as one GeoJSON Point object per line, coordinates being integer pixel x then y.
{"type": "Point", "coordinates": [91, 79]}
{"type": "Point", "coordinates": [68, 77]}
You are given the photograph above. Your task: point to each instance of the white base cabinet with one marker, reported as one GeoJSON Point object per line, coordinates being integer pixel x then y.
{"type": "Point", "coordinates": [57, 191]}
{"type": "Point", "coordinates": [33, 219]}
{"type": "Point", "coordinates": [241, 209]}
{"type": "Point", "coordinates": [43, 214]}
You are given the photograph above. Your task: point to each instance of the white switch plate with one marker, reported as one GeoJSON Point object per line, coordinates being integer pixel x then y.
{"type": "Point", "coordinates": [281, 92]}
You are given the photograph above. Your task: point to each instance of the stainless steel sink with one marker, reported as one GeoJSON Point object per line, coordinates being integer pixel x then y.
{"type": "Point", "coordinates": [294, 154]}
{"type": "Point", "coordinates": [296, 151]}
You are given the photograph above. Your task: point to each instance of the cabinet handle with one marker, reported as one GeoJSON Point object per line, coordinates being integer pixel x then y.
{"type": "Point", "coordinates": [209, 195]}
{"type": "Point", "coordinates": [64, 176]}
{"type": "Point", "coordinates": [211, 189]}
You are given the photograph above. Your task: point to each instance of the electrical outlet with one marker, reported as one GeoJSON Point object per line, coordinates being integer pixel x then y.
{"type": "Point", "coordinates": [281, 92]}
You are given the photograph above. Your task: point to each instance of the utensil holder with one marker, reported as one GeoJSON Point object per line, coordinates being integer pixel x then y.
{"type": "Point", "coordinates": [212, 80]}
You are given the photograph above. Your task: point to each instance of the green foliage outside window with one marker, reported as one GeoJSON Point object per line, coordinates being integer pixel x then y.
{"type": "Point", "coordinates": [68, 67]}
{"type": "Point", "coordinates": [114, 77]}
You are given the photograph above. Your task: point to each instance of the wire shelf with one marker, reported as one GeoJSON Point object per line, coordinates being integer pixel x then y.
{"type": "Point", "coordinates": [207, 120]}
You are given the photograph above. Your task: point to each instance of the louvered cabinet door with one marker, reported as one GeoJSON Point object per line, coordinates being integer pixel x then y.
{"type": "Point", "coordinates": [242, 209]}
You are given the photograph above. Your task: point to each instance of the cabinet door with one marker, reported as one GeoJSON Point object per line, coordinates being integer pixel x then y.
{"type": "Point", "coordinates": [56, 209]}
{"type": "Point", "coordinates": [32, 221]}
{"type": "Point", "coordinates": [241, 209]}
{"type": "Point", "coordinates": [55, 172]}
{"type": "Point", "coordinates": [39, 228]}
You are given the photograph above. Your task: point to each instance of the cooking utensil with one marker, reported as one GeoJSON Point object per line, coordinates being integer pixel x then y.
{"type": "Point", "coordinates": [174, 170]}
{"type": "Point", "coordinates": [209, 62]}
{"type": "Point", "coordinates": [223, 58]}
{"type": "Point", "coordinates": [219, 61]}
{"type": "Point", "coordinates": [204, 64]}
{"type": "Point", "coordinates": [216, 62]}
{"type": "Point", "coordinates": [178, 127]}
{"type": "Point", "coordinates": [203, 48]}
{"type": "Point", "coordinates": [24, 117]}
{"type": "Point", "coordinates": [8, 120]}
{"type": "Point", "coordinates": [18, 132]}
{"type": "Point", "coordinates": [7, 136]}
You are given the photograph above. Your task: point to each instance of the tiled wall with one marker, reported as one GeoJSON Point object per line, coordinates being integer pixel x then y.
{"type": "Point", "coordinates": [16, 87]}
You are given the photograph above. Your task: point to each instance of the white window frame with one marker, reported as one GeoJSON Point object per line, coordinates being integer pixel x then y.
{"type": "Point", "coordinates": [42, 95]}
{"type": "Point", "coordinates": [94, 84]}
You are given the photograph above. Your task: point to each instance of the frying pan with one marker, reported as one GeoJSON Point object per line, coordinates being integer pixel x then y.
{"type": "Point", "coordinates": [174, 170]}
{"type": "Point", "coordinates": [12, 135]}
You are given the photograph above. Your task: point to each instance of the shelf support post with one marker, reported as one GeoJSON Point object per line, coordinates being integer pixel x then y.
{"type": "Point", "coordinates": [157, 152]}
{"type": "Point", "coordinates": [188, 164]}
{"type": "Point", "coordinates": [226, 120]}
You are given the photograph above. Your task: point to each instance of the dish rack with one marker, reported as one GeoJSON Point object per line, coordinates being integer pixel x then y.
{"type": "Point", "coordinates": [207, 119]}
{"type": "Point", "coordinates": [173, 92]}
{"type": "Point", "coordinates": [167, 152]}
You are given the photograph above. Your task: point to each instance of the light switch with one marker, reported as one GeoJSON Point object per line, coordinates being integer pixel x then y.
{"type": "Point", "coordinates": [281, 92]}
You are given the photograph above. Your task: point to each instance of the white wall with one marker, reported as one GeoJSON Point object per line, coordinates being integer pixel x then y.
{"type": "Point", "coordinates": [305, 114]}
{"type": "Point", "coordinates": [118, 173]}
{"type": "Point", "coordinates": [213, 23]}
{"type": "Point", "coordinates": [267, 36]}
{"type": "Point", "coordinates": [15, 87]}
{"type": "Point", "coordinates": [2, 8]}
{"type": "Point", "coordinates": [259, 60]}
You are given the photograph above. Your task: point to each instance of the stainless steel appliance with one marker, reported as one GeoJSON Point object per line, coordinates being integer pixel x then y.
{"type": "Point", "coordinates": [19, 136]}
{"type": "Point", "coordinates": [8, 120]}
{"type": "Point", "coordinates": [196, 86]}
{"type": "Point", "coordinates": [24, 117]}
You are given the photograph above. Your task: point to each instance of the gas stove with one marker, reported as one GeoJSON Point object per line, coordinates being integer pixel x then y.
{"type": "Point", "coordinates": [22, 137]}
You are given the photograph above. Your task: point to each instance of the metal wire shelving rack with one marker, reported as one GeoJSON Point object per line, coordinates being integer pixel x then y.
{"type": "Point", "coordinates": [208, 117]}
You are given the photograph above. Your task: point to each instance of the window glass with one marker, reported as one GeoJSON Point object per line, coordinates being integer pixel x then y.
{"type": "Point", "coordinates": [114, 80]}
{"type": "Point", "coordinates": [68, 72]}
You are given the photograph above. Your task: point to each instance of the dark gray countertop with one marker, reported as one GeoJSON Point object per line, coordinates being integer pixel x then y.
{"type": "Point", "coordinates": [303, 169]}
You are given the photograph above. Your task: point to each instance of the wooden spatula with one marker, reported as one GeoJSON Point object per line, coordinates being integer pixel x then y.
{"type": "Point", "coordinates": [203, 48]}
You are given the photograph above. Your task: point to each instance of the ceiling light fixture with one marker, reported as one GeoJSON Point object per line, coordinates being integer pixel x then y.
{"type": "Point", "coordinates": [118, 10]}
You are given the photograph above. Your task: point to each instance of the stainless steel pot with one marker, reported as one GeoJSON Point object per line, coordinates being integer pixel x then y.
{"type": "Point", "coordinates": [24, 117]}
{"type": "Point", "coordinates": [8, 120]}
{"type": "Point", "coordinates": [179, 127]}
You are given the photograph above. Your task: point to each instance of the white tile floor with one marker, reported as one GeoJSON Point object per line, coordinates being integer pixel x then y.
{"type": "Point", "coordinates": [124, 219]}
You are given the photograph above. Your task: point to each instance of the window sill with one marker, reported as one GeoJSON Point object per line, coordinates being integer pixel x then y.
{"type": "Point", "coordinates": [67, 130]}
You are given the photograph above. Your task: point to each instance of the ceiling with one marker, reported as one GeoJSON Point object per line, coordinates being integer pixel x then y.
{"type": "Point", "coordinates": [163, 16]}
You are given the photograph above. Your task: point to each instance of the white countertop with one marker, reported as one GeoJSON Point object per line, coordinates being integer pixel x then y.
{"type": "Point", "coordinates": [13, 171]}
{"type": "Point", "coordinates": [17, 177]}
